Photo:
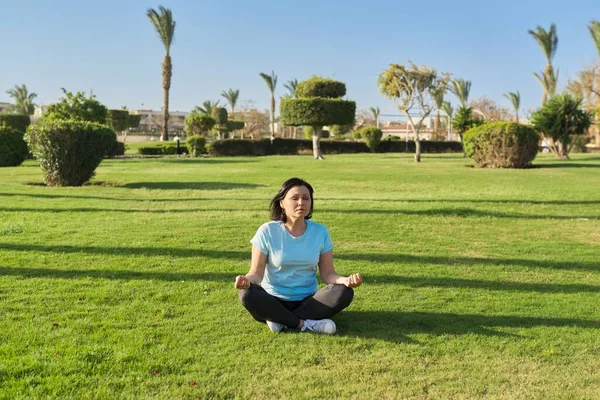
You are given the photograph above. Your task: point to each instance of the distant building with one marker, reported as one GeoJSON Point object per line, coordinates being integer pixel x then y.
{"type": "Point", "coordinates": [152, 120]}
{"type": "Point", "coordinates": [5, 107]}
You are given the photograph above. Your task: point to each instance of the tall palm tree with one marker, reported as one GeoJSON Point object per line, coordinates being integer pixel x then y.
{"type": "Point", "coordinates": [23, 99]}
{"type": "Point", "coordinates": [232, 97]}
{"type": "Point", "coordinates": [438, 98]}
{"type": "Point", "coordinates": [515, 99]}
{"type": "Point", "coordinates": [375, 111]}
{"type": "Point", "coordinates": [461, 89]}
{"type": "Point", "coordinates": [165, 26]}
{"type": "Point", "coordinates": [594, 28]}
{"type": "Point", "coordinates": [271, 81]}
{"type": "Point", "coordinates": [291, 87]}
{"type": "Point", "coordinates": [207, 107]}
{"type": "Point", "coordinates": [548, 41]}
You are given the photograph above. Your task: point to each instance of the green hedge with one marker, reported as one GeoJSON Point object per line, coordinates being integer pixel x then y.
{"type": "Point", "coordinates": [18, 122]}
{"type": "Point", "coordinates": [13, 149]}
{"type": "Point", "coordinates": [502, 145]}
{"type": "Point", "coordinates": [316, 111]}
{"type": "Point", "coordinates": [69, 151]}
{"type": "Point", "coordinates": [237, 147]}
{"type": "Point", "coordinates": [371, 135]}
{"type": "Point", "coordinates": [317, 86]}
{"type": "Point", "coordinates": [165, 149]}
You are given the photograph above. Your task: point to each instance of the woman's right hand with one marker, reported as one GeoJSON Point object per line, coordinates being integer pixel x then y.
{"type": "Point", "coordinates": [242, 282]}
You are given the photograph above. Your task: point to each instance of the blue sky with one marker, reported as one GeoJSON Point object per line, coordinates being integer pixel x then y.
{"type": "Point", "coordinates": [111, 48]}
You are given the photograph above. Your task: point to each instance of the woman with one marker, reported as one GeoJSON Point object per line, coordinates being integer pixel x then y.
{"type": "Point", "coordinates": [281, 286]}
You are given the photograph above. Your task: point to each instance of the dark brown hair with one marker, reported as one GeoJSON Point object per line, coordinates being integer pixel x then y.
{"type": "Point", "coordinates": [277, 213]}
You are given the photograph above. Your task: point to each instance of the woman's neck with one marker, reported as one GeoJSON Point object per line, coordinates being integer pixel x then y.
{"type": "Point", "coordinates": [295, 226]}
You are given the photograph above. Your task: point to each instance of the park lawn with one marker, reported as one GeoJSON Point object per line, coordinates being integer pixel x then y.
{"type": "Point", "coordinates": [478, 283]}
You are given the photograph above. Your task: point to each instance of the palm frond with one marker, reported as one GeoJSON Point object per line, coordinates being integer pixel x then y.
{"type": "Point", "coordinates": [270, 80]}
{"type": "Point", "coordinates": [547, 40]}
{"type": "Point", "coordinates": [164, 25]}
{"type": "Point", "coordinates": [594, 28]}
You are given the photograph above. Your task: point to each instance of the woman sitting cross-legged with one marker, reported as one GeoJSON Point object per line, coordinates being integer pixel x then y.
{"type": "Point", "coordinates": [281, 286]}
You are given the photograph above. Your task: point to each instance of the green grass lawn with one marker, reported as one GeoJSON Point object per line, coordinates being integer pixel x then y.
{"type": "Point", "coordinates": [478, 283]}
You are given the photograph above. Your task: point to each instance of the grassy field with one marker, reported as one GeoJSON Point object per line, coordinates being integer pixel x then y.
{"type": "Point", "coordinates": [478, 283]}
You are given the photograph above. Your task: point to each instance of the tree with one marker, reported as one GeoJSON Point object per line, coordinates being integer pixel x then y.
{"type": "Point", "coordinates": [515, 100]}
{"type": "Point", "coordinates": [438, 98]}
{"type": "Point", "coordinates": [291, 87]}
{"type": "Point", "coordinates": [165, 26]}
{"type": "Point", "coordinates": [198, 124]}
{"type": "Point", "coordinates": [319, 104]}
{"type": "Point", "coordinates": [271, 81]}
{"type": "Point", "coordinates": [463, 121]}
{"type": "Point", "coordinates": [461, 89]}
{"type": "Point", "coordinates": [548, 42]}
{"type": "Point", "coordinates": [375, 112]}
{"type": "Point", "coordinates": [207, 107]}
{"type": "Point", "coordinates": [255, 122]}
{"type": "Point", "coordinates": [23, 99]}
{"type": "Point", "coordinates": [594, 28]}
{"type": "Point", "coordinates": [586, 85]}
{"type": "Point", "coordinates": [411, 86]}
{"type": "Point", "coordinates": [558, 120]}
{"type": "Point", "coordinates": [232, 97]}
{"type": "Point", "coordinates": [491, 110]}
{"type": "Point", "coordinates": [78, 107]}
{"type": "Point", "coordinates": [220, 115]}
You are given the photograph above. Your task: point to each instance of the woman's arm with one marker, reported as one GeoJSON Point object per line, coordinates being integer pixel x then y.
{"type": "Point", "coordinates": [257, 270]}
{"type": "Point", "coordinates": [329, 275]}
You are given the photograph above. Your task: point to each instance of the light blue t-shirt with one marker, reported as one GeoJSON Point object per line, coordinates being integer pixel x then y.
{"type": "Point", "coordinates": [291, 270]}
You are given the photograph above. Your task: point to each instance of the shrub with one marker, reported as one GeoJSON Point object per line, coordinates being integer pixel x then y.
{"type": "Point", "coordinates": [372, 136]}
{"type": "Point", "coordinates": [118, 120]}
{"type": "Point", "coordinates": [13, 149]}
{"type": "Point", "coordinates": [317, 111]}
{"type": "Point", "coordinates": [150, 151]}
{"type": "Point", "coordinates": [195, 145]}
{"type": "Point", "coordinates": [15, 121]}
{"type": "Point", "coordinates": [501, 145]}
{"type": "Point", "coordinates": [233, 125]}
{"type": "Point", "coordinates": [317, 86]}
{"type": "Point", "coordinates": [133, 120]}
{"type": "Point", "coordinates": [117, 150]}
{"type": "Point", "coordinates": [78, 107]}
{"type": "Point", "coordinates": [69, 151]}
{"type": "Point", "coordinates": [198, 124]}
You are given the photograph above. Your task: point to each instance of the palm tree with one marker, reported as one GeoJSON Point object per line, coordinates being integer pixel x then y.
{"type": "Point", "coordinates": [449, 110]}
{"type": "Point", "coordinates": [515, 99]}
{"type": "Point", "coordinates": [548, 81]}
{"type": "Point", "coordinates": [232, 97]}
{"type": "Point", "coordinates": [594, 28]}
{"type": "Point", "coordinates": [438, 98]}
{"type": "Point", "coordinates": [461, 89]}
{"type": "Point", "coordinates": [23, 99]}
{"type": "Point", "coordinates": [271, 81]}
{"type": "Point", "coordinates": [548, 41]}
{"type": "Point", "coordinates": [291, 87]}
{"type": "Point", "coordinates": [375, 112]}
{"type": "Point", "coordinates": [207, 107]}
{"type": "Point", "coordinates": [165, 26]}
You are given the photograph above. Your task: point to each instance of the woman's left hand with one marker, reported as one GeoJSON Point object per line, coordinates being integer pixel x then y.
{"type": "Point", "coordinates": [353, 280]}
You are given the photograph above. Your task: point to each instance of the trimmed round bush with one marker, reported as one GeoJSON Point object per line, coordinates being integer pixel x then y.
{"type": "Point", "coordinates": [18, 122]}
{"type": "Point", "coordinates": [118, 120]}
{"type": "Point", "coordinates": [219, 114]}
{"type": "Point", "coordinates": [372, 136]}
{"type": "Point", "coordinates": [13, 149]}
{"type": "Point", "coordinates": [501, 145]}
{"type": "Point", "coordinates": [195, 145]}
{"type": "Point", "coordinates": [321, 87]}
{"type": "Point", "coordinates": [316, 112]}
{"type": "Point", "coordinates": [69, 151]}
{"type": "Point", "coordinates": [233, 125]}
{"type": "Point", "coordinates": [133, 120]}
{"type": "Point", "coordinates": [198, 124]}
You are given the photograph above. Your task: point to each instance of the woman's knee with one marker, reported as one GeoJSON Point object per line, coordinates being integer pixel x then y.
{"type": "Point", "coordinates": [345, 294]}
{"type": "Point", "coordinates": [247, 296]}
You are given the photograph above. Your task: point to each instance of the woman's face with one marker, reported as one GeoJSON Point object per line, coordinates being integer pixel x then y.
{"type": "Point", "coordinates": [296, 202]}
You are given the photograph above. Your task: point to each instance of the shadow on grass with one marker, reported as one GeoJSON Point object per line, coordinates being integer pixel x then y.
{"type": "Point", "coordinates": [451, 283]}
{"type": "Point", "coordinates": [395, 326]}
{"type": "Point", "coordinates": [245, 255]}
{"type": "Point", "coordinates": [190, 185]}
{"type": "Point", "coordinates": [127, 198]}
{"type": "Point", "coordinates": [130, 210]}
{"type": "Point", "coordinates": [479, 201]}
{"type": "Point", "coordinates": [116, 274]}
{"type": "Point", "coordinates": [565, 164]}
{"type": "Point", "coordinates": [468, 261]}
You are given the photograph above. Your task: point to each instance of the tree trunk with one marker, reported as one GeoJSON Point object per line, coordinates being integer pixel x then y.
{"type": "Point", "coordinates": [166, 72]}
{"type": "Point", "coordinates": [417, 149]}
{"type": "Point", "coordinates": [272, 117]}
{"type": "Point", "coordinates": [417, 138]}
{"type": "Point", "coordinates": [316, 139]}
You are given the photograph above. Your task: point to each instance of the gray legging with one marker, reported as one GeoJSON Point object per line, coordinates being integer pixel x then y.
{"type": "Point", "coordinates": [324, 304]}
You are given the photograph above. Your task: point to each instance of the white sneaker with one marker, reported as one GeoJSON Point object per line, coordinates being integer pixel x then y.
{"type": "Point", "coordinates": [275, 327]}
{"type": "Point", "coordinates": [326, 326]}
